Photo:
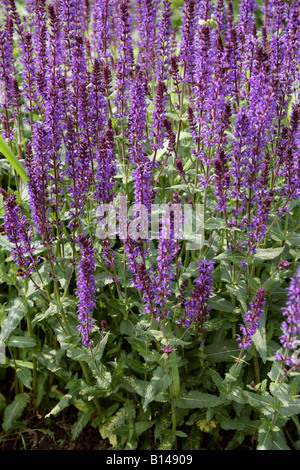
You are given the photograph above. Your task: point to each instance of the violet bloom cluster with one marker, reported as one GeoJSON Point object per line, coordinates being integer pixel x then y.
{"type": "Point", "coordinates": [196, 306]}
{"type": "Point", "coordinates": [136, 131]}
{"type": "Point", "coordinates": [38, 170]}
{"type": "Point", "coordinates": [163, 45]}
{"type": "Point", "coordinates": [86, 289]}
{"type": "Point", "coordinates": [146, 24]}
{"type": "Point", "coordinates": [125, 58]}
{"type": "Point", "coordinates": [187, 46]}
{"type": "Point", "coordinates": [19, 233]}
{"type": "Point", "coordinates": [291, 326]}
{"type": "Point", "coordinates": [252, 319]}
{"type": "Point", "coordinates": [167, 249]}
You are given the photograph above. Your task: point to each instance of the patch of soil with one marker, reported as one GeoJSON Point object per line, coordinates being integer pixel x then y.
{"type": "Point", "coordinates": [54, 436]}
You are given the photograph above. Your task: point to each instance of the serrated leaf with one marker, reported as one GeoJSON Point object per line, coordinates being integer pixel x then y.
{"type": "Point", "coordinates": [241, 293]}
{"type": "Point", "coordinates": [231, 256]}
{"type": "Point", "coordinates": [21, 342]}
{"type": "Point", "coordinates": [265, 254]}
{"type": "Point", "coordinates": [14, 410]}
{"type": "Point", "coordinates": [25, 376]}
{"type": "Point", "coordinates": [51, 311]}
{"type": "Point", "coordinates": [133, 385]}
{"type": "Point", "coordinates": [288, 406]}
{"type": "Point", "coordinates": [101, 348]}
{"type": "Point", "coordinates": [167, 442]}
{"type": "Point", "coordinates": [159, 383]}
{"type": "Point", "coordinates": [141, 426]}
{"type": "Point", "coordinates": [220, 304]}
{"type": "Point", "coordinates": [195, 399]}
{"type": "Point", "coordinates": [241, 424]}
{"type": "Point", "coordinates": [259, 340]}
{"type": "Point", "coordinates": [279, 440]}
{"type": "Point", "coordinates": [61, 405]}
{"type": "Point", "coordinates": [262, 403]}
{"type": "Point", "coordinates": [82, 421]}
{"type": "Point", "coordinates": [16, 310]}
{"type": "Point", "coordinates": [101, 374]}
{"type": "Point", "coordinates": [127, 328]}
{"type": "Point", "coordinates": [271, 440]}
{"type": "Point", "coordinates": [227, 351]}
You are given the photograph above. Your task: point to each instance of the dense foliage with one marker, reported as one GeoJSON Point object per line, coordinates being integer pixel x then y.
{"type": "Point", "coordinates": [169, 338]}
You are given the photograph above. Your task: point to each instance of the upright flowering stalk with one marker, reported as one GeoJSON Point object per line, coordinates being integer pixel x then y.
{"type": "Point", "coordinates": [86, 289]}
{"type": "Point", "coordinates": [106, 171]}
{"type": "Point", "coordinates": [246, 23]}
{"type": "Point", "coordinates": [291, 326]}
{"type": "Point", "coordinates": [202, 98]}
{"type": "Point", "coordinates": [196, 307]}
{"type": "Point", "coordinates": [53, 104]}
{"type": "Point", "coordinates": [167, 249]}
{"type": "Point", "coordinates": [163, 45]}
{"type": "Point", "coordinates": [157, 131]}
{"type": "Point", "coordinates": [97, 102]}
{"type": "Point", "coordinates": [6, 75]}
{"type": "Point", "coordinates": [137, 140]}
{"type": "Point", "coordinates": [37, 166]}
{"type": "Point", "coordinates": [19, 233]}
{"type": "Point", "coordinates": [102, 27]}
{"type": "Point", "coordinates": [146, 23]}
{"type": "Point", "coordinates": [106, 166]}
{"type": "Point", "coordinates": [125, 58]}
{"type": "Point", "coordinates": [187, 46]}
{"type": "Point", "coordinates": [222, 179]}
{"type": "Point", "coordinates": [252, 318]}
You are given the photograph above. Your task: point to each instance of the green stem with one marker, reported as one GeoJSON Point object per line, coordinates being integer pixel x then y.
{"type": "Point", "coordinates": [34, 363]}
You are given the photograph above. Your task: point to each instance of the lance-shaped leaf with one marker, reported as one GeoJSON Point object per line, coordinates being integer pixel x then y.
{"type": "Point", "coordinates": [9, 155]}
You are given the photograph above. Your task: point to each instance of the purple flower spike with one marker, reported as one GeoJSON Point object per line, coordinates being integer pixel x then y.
{"type": "Point", "coordinates": [291, 326]}
{"type": "Point", "coordinates": [252, 318]}
{"type": "Point", "coordinates": [18, 233]}
{"type": "Point", "coordinates": [196, 308]}
{"type": "Point", "coordinates": [86, 289]}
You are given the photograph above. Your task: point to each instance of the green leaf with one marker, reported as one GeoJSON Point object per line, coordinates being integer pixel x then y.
{"type": "Point", "coordinates": [269, 439]}
{"type": "Point", "coordinates": [2, 402]}
{"type": "Point", "coordinates": [17, 310]}
{"type": "Point", "coordinates": [8, 154]}
{"type": "Point", "coordinates": [241, 293]}
{"type": "Point", "coordinates": [259, 340]}
{"type": "Point", "coordinates": [101, 374]}
{"type": "Point", "coordinates": [101, 348]}
{"type": "Point", "coordinates": [243, 423]}
{"type": "Point", "coordinates": [61, 405]}
{"type": "Point", "coordinates": [227, 351]}
{"type": "Point", "coordinates": [79, 425]}
{"type": "Point", "coordinates": [21, 341]}
{"type": "Point", "coordinates": [265, 254]}
{"type": "Point", "coordinates": [195, 399]}
{"type": "Point", "coordinates": [5, 243]}
{"type": "Point", "coordinates": [233, 257]}
{"type": "Point", "coordinates": [133, 385]}
{"type": "Point", "coordinates": [288, 406]}
{"type": "Point", "coordinates": [159, 383]}
{"type": "Point", "coordinates": [220, 304]}
{"type": "Point", "coordinates": [14, 410]}
{"type": "Point", "coordinates": [167, 442]}
{"type": "Point", "coordinates": [142, 426]}
{"type": "Point", "coordinates": [261, 403]}
{"type": "Point", "coordinates": [25, 376]}
{"type": "Point", "coordinates": [279, 440]}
